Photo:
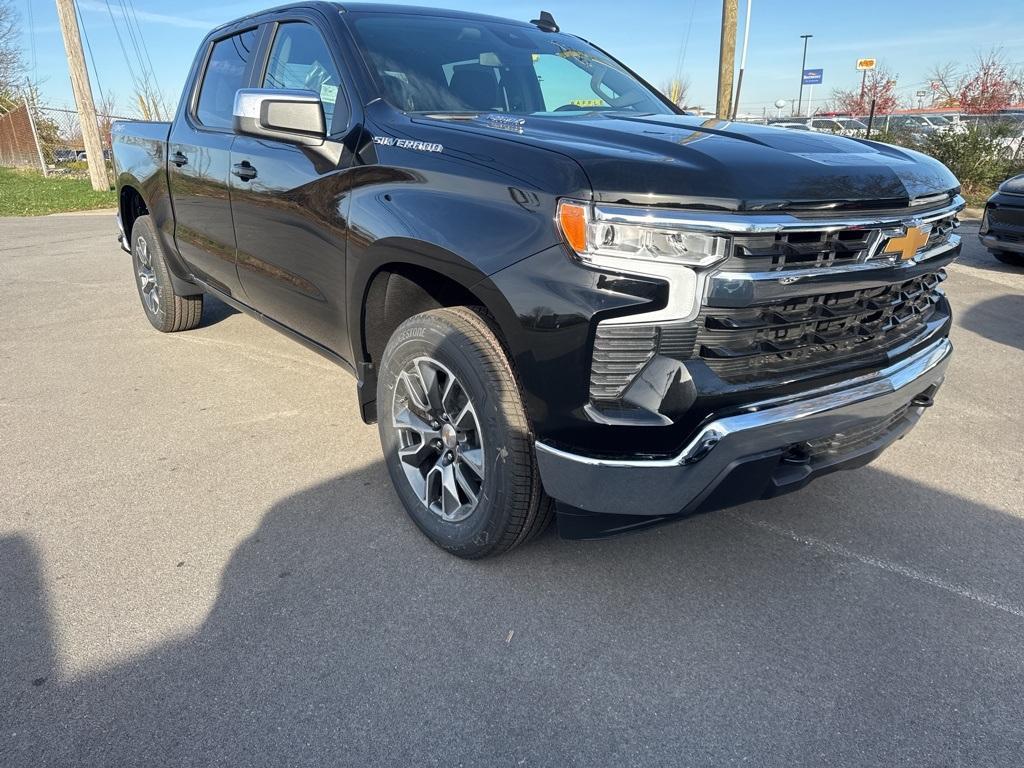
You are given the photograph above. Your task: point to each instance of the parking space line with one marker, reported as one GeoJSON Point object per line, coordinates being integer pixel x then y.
{"type": "Point", "coordinates": [886, 565]}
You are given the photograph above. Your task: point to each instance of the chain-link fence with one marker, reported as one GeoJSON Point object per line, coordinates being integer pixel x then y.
{"type": "Point", "coordinates": [19, 144]}
{"type": "Point", "coordinates": [48, 138]}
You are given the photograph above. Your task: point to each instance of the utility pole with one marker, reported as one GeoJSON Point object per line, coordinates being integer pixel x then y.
{"type": "Point", "coordinates": [743, 61]}
{"type": "Point", "coordinates": [803, 66]}
{"type": "Point", "coordinates": [726, 58]}
{"type": "Point", "coordinates": [83, 95]}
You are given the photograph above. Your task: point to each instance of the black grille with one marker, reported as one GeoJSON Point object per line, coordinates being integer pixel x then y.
{"type": "Point", "coordinates": [776, 339]}
{"type": "Point", "coordinates": [855, 438]}
{"type": "Point", "coordinates": [1008, 223]}
{"type": "Point", "coordinates": [798, 250]}
{"type": "Point", "coordinates": [819, 249]}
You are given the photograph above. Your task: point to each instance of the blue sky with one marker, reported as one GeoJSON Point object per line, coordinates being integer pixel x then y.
{"type": "Point", "coordinates": [907, 36]}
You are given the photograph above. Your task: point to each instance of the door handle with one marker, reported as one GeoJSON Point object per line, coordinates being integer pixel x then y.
{"type": "Point", "coordinates": [179, 159]}
{"type": "Point", "coordinates": [244, 170]}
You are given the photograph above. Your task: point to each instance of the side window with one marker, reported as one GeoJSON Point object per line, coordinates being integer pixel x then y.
{"type": "Point", "coordinates": [225, 74]}
{"type": "Point", "coordinates": [300, 59]}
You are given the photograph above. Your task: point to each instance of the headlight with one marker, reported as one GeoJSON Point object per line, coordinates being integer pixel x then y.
{"type": "Point", "coordinates": [598, 235]}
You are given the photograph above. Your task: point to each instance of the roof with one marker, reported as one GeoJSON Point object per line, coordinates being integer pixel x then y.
{"type": "Point", "coordinates": [410, 10]}
{"type": "Point", "coordinates": [416, 10]}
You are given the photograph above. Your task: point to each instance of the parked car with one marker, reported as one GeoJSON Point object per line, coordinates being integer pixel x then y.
{"type": "Point", "coordinates": [81, 155]}
{"type": "Point", "coordinates": [64, 155]}
{"type": "Point", "coordinates": [557, 293]}
{"type": "Point", "coordinates": [906, 124]}
{"type": "Point", "coordinates": [792, 126]}
{"type": "Point", "coordinates": [1002, 224]}
{"type": "Point", "coordinates": [844, 126]}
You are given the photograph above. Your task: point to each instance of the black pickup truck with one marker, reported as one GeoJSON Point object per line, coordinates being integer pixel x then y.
{"type": "Point", "coordinates": [559, 295]}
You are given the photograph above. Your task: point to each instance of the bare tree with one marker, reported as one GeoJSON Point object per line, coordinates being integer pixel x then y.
{"type": "Point", "coordinates": [944, 80]}
{"type": "Point", "coordinates": [989, 84]}
{"type": "Point", "coordinates": [880, 85]}
{"type": "Point", "coordinates": [12, 66]}
{"type": "Point", "coordinates": [150, 103]}
{"type": "Point", "coordinates": [676, 90]}
{"type": "Point", "coordinates": [105, 111]}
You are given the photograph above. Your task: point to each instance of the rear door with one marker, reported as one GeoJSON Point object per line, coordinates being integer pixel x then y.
{"type": "Point", "coordinates": [199, 160]}
{"type": "Point", "coordinates": [291, 207]}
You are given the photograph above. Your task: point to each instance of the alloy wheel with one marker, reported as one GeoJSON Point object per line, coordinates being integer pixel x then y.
{"type": "Point", "coordinates": [147, 276]}
{"type": "Point", "coordinates": [440, 446]}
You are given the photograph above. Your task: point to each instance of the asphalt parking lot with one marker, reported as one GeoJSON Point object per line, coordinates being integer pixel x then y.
{"type": "Point", "coordinates": [202, 563]}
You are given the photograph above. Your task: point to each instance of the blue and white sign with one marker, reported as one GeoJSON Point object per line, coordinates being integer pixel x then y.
{"type": "Point", "coordinates": [813, 76]}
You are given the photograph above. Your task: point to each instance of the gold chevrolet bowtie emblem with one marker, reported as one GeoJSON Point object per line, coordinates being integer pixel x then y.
{"type": "Point", "coordinates": [909, 244]}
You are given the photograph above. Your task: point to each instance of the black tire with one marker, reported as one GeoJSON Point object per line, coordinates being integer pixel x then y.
{"type": "Point", "coordinates": [1008, 257]}
{"type": "Point", "coordinates": [167, 310]}
{"type": "Point", "coordinates": [511, 506]}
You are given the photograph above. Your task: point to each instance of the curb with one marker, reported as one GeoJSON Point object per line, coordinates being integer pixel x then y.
{"type": "Point", "coordinates": [93, 212]}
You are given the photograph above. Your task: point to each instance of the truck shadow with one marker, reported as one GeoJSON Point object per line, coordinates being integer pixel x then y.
{"type": "Point", "coordinates": [1000, 319]}
{"type": "Point", "coordinates": [341, 637]}
{"type": "Point", "coordinates": [215, 310]}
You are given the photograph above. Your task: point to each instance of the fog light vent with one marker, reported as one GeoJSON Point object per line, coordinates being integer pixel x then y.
{"type": "Point", "coordinates": [620, 353]}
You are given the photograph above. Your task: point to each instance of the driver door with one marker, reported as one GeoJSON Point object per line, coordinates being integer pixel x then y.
{"type": "Point", "coordinates": [290, 203]}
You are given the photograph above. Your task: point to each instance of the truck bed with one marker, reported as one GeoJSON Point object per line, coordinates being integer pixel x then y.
{"type": "Point", "coordinates": [140, 148]}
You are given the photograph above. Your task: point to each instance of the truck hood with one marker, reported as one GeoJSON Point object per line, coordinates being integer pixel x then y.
{"type": "Point", "coordinates": [691, 161]}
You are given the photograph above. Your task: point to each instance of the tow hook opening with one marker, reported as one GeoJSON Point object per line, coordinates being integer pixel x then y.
{"type": "Point", "coordinates": [798, 453]}
{"type": "Point", "coordinates": [923, 400]}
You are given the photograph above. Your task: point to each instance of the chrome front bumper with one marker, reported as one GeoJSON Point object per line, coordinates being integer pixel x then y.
{"type": "Point", "coordinates": [726, 450]}
{"type": "Point", "coordinates": [992, 242]}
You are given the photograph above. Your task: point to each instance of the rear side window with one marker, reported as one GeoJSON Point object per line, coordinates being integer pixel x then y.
{"type": "Point", "coordinates": [300, 59]}
{"type": "Point", "coordinates": [225, 74]}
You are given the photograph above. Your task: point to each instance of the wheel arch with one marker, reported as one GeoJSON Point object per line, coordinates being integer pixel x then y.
{"type": "Point", "coordinates": [405, 280]}
{"type": "Point", "coordinates": [133, 202]}
{"type": "Point", "coordinates": [130, 205]}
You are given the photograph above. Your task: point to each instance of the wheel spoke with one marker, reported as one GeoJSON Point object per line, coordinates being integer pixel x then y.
{"type": "Point", "coordinates": [474, 459]}
{"type": "Point", "coordinates": [415, 389]}
{"type": "Point", "coordinates": [408, 420]}
{"type": "Point", "coordinates": [451, 388]}
{"type": "Point", "coordinates": [432, 486]}
{"type": "Point", "coordinates": [418, 455]}
{"type": "Point", "coordinates": [142, 251]}
{"type": "Point", "coordinates": [431, 375]}
{"type": "Point", "coordinates": [450, 492]}
{"type": "Point", "coordinates": [464, 484]}
{"type": "Point", "coordinates": [465, 419]}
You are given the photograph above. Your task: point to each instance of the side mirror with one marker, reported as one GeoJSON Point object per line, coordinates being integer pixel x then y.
{"type": "Point", "coordinates": [293, 116]}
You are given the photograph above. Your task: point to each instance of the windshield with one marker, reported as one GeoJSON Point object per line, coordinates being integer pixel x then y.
{"type": "Point", "coordinates": [937, 120]}
{"type": "Point", "coordinates": [853, 125]}
{"type": "Point", "coordinates": [449, 65]}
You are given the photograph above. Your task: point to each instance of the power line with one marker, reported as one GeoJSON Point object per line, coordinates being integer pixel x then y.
{"type": "Point", "coordinates": [124, 51]}
{"type": "Point", "coordinates": [131, 35]}
{"type": "Point", "coordinates": [88, 47]}
{"type": "Point", "coordinates": [145, 48]}
{"type": "Point", "coordinates": [681, 59]}
{"type": "Point", "coordinates": [32, 40]}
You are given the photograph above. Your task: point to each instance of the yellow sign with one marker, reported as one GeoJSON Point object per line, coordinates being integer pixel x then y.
{"type": "Point", "coordinates": [587, 102]}
{"type": "Point", "coordinates": [909, 244]}
{"type": "Point", "coordinates": [865, 63]}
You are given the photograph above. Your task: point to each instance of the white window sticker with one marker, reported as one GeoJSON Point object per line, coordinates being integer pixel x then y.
{"type": "Point", "coordinates": [329, 93]}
